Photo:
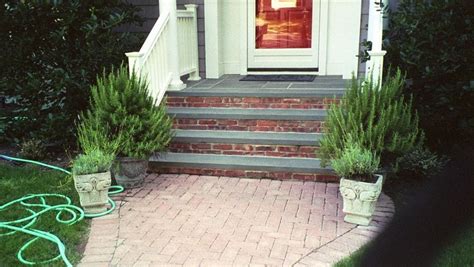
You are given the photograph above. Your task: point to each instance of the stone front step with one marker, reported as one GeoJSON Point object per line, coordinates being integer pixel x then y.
{"type": "Point", "coordinates": [271, 144]}
{"type": "Point", "coordinates": [233, 119]}
{"type": "Point", "coordinates": [242, 166]}
{"type": "Point", "coordinates": [268, 98]}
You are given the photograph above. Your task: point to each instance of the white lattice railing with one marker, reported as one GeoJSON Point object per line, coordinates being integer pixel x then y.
{"type": "Point", "coordinates": [188, 42]}
{"type": "Point", "coordinates": [155, 62]}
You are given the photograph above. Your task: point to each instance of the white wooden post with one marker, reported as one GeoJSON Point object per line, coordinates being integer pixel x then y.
{"type": "Point", "coordinates": [374, 67]}
{"type": "Point", "coordinates": [173, 56]}
{"type": "Point", "coordinates": [133, 59]}
{"type": "Point", "coordinates": [194, 76]}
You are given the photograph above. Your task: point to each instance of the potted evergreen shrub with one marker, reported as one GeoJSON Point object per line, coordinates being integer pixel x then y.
{"type": "Point", "coordinates": [91, 173]}
{"type": "Point", "coordinates": [378, 118]}
{"type": "Point", "coordinates": [360, 187]}
{"type": "Point", "coordinates": [130, 116]}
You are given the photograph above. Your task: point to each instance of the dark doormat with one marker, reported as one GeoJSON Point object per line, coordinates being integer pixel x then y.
{"type": "Point", "coordinates": [279, 78]}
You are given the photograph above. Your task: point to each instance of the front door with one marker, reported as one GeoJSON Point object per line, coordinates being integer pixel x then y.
{"type": "Point", "coordinates": [283, 35]}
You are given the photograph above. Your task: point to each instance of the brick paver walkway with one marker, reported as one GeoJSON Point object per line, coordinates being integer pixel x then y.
{"type": "Point", "coordinates": [217, 221]}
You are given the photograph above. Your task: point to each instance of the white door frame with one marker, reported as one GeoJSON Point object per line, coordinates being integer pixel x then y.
{"type": "Point", "coordinates": [293, 58]}
{"type": "Point", "coordinates": [322, 25]}
{"type": "Point", "coordinates": [213, 64]}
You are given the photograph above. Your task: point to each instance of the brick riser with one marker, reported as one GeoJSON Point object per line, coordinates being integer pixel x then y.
{"type": "Point", "coordinates": [251, 102]}
{"type": "Point", "coordinates": [250, 125]}
{"type": "Point", "coordinates": [246, 149]}
{"type": "Point", "coordinates": [245, 173]}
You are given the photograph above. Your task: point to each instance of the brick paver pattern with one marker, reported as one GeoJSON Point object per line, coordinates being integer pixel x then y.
{"type": "Point", "coordinates": [219, 221]}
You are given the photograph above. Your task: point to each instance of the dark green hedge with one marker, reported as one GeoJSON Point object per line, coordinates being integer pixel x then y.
{"type": "Point", "coordinates": [51, 54]}
{"type": "Point", "coordinates": [433, 41]}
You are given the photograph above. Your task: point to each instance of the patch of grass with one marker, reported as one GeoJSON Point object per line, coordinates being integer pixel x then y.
{"type": "Point", "coordinates": [352, 260]}
{"type": "Point", "coordinates": [17, 181]}
{"type": "Point", "coordinates": [460, 253]}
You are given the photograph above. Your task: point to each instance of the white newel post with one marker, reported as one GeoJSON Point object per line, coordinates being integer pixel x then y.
{"type": "Point", "coordinates": [133, 59]}
{"type": "Point", "coordinates": [194, 76]}
{"type": "Point", "coordinates": [374, 66]}
{"type": "Point", "coordinates": [173, 56]}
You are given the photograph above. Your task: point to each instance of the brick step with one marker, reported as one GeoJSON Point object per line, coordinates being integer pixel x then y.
{"type": "Point", "coordinates": [272, 144]}
{"type": "Point", "coordinates": [246, 149]}
{"type": "Point", "coordinates": [251, 98]}
{"type": "Point", "coordinates": [242, 166]}
{"type": "Point", "coordinates": [274, 120]}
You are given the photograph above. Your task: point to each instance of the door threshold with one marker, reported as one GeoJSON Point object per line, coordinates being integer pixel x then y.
{"type": "Point", "coordinates": [283, 72]}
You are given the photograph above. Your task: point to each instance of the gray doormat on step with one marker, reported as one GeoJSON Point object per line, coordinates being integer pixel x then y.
{"type": "Point", "coordinates": [279, 78]}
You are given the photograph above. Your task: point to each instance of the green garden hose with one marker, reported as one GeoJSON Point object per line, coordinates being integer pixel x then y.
{"type": "Point", "coordinates": [65, 210]}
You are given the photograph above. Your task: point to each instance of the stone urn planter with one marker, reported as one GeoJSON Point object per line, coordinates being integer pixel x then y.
{"type": "Point", "coordinates": [93, 190]}
{"type": "Point", "coordinates": [359, 199]}
{"type": "Point", "coordinates": [130, 172]}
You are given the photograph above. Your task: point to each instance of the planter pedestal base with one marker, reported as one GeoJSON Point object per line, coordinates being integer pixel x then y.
{"type": "Point", "coordinates": [97, 209]}
{"type": "Point", "coordinates": [357, 219]}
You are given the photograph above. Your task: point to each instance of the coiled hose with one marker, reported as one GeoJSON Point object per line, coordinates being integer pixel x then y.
{"type": "Point", "coordinates": [64, 210]}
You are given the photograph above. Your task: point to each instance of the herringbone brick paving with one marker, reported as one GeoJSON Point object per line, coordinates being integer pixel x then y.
{"type": "Point", "coordinates": [220, 221]}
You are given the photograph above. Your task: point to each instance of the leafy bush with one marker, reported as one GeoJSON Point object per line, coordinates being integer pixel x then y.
{"type": "Point", "coordinates": [95, 161]}
{"type": "Point", "coordinates": [379, 120]}
{"type": "Point", "coordinates": [432, 41]}
{"type": "Point", "coordinates": [32, 149]}
{"type": "Point", "coordinates": [52, 50]}
{"type": "Point", "coordinates": [356, 163]}
{"type": "Point", "coordinates": [129, 115]}
{"type": "Point", "coordinates": [419, 163]}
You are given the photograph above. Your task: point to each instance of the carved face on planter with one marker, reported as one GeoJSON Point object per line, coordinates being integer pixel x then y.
{"type": "Point", "coordinates": [93, 190]}
{"type": "Point", "coordinates": [359, 199]}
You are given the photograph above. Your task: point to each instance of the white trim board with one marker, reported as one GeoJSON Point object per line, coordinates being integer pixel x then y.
{"type": "Point", "coordinates": [226, 37]}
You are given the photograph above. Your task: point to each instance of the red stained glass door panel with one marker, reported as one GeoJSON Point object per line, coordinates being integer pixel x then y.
{"type": "Point", "coordinates": [281, 24]}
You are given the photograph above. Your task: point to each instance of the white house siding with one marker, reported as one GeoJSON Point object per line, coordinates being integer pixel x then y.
{"type": "Point", "coordinates": [343, 36]}
{"type": "Point", "coordinates": [231, 28]}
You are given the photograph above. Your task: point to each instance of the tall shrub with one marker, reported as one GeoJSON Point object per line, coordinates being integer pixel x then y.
{"type": "Point", "coordinates": [123, 110]}
{"type": "Point", "coordinates": [432, 40]}
{"type": "Point", "coordinates": [51, 53]}
{"type": "Point", "coordinates": [379, 120]}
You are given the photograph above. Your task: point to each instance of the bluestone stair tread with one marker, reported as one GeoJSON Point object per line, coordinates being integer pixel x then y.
{"type": "Point", "coordinates": [257, 163]}
{"type": "Point", "coordinates": [248, 113]}
{"type": "Point", "coordinates": [243, 137]}
{"type": "Point", "coordinates": [252, 92]}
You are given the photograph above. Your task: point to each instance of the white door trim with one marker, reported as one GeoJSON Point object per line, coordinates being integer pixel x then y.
{"type": "Point", "coordinates": [213, 65]}
{"type": "Point", "coordinates": [323, 36]}
{"type": "Point", "coordinates": [288, 57]}
{"type": "Point", "coordinates": [243, 38]}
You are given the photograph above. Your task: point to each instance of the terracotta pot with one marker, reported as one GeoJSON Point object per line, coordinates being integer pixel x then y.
{"type": "Point", "coordinates": [359, 199]}
{"type": "Point", "coordinates": [93, 189]}
{"type": "Point", "coordinates": [130, 172]}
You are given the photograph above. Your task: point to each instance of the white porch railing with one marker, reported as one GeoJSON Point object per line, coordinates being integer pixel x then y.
{"type": "Point", "coordinates": [151, 62]}
{"type": "Point", "coordinates": [187, 42]}
{"type": "Point", "coordinates": [374, 66]}
{"type": "Point", "coordinates": [156, 60]}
